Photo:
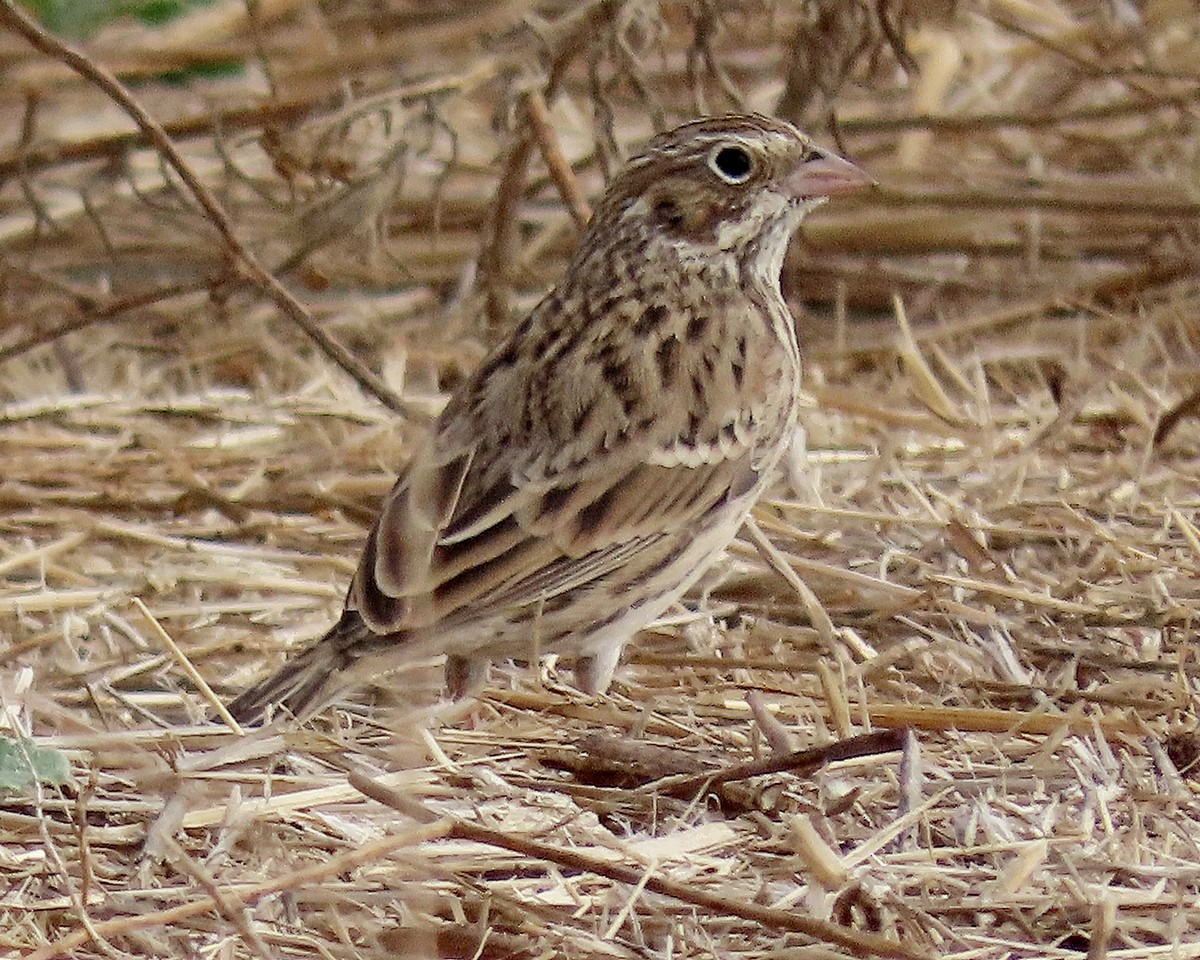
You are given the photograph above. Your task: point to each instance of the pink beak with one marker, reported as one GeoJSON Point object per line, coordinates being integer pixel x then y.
{"type": "Point", "coordinates": [826, 175]}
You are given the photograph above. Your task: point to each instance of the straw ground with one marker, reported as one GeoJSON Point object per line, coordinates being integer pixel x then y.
{"type": "Point", "coordinates": [942, 706]}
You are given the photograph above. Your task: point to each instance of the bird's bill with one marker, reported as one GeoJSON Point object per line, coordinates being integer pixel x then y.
{"type": "Point", "coordinates": [827, 175]}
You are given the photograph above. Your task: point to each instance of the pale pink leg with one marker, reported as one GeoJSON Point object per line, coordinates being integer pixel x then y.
{"type": "Point", "coordinates": [465, 676]}
{"type": "Point", "coordinates": [594, 672]}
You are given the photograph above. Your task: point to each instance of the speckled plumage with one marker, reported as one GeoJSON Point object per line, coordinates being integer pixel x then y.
{"type": "Point", "coordinates": [609, 449]}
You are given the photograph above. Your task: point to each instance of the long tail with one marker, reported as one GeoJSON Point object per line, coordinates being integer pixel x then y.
{"type": "Point", "coordinates": [307, 682]}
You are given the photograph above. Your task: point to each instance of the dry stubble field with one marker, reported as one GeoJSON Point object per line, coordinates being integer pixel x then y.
{"type": "Point", "coordinates": [990, 518]}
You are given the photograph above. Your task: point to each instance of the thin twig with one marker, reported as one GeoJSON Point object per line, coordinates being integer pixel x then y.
{"type": "Point", "coordinates": [1090, 197]}
{"type": "Point", "coordinates": [1189, 406]}
{"type": "Point", "coordinates": [34, 158]}
{"type": "Point", "coordinates": [555, 160]}
{"type": "Point", "coordinates": [798, 761]}
{"type": "Point", "coordinates": [16, 19]}
{"type": "Point", "coordinates": [974, 122]}
{"type": "Point", "coordinates": [778, 562]}
{"type": "Point", "coordinates": [97, 310]}
{"type": "Point", "coordinates": [499, 251]}
{"type": "Point", "coordinates": [188, 667]}
{"type": "Point", "coordinates": [862, 944]}
{"type": "Point", "coordinates": [228, 906]}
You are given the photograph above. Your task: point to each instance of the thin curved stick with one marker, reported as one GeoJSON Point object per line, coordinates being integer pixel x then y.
{"type": "Point", "coordinates": [19, 22]}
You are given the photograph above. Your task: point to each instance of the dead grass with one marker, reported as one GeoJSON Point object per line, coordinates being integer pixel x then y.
{"type": "Point", "coordinates": [985, 663]}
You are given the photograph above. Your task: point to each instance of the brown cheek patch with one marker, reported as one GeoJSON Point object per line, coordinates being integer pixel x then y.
{"type": "Point", "coordinates": [688, 213]}
{"type": "Point", "coordinates": [669, 215]}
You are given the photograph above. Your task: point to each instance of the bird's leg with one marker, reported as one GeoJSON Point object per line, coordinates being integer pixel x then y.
{"type": "Point", "coordinates": [465, 676]}
{"type": "Point", "coordinates": [594, 672]}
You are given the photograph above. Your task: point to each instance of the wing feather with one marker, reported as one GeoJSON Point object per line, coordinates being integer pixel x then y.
{"type": "Point", "coordinates": [406, 532]}
{"type": "Point", "coordinates": [459, 534]}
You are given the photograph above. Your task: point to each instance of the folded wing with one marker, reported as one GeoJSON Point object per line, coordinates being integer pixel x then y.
{"type": "Point", "coordinates": [465, 535]}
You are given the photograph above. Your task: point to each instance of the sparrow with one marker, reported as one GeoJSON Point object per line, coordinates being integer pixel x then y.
{"type": "Point", "coordinates": [603, 455]}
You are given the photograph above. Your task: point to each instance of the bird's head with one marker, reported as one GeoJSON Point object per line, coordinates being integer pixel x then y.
{"type": "Point", "coordinates": [725, 185]}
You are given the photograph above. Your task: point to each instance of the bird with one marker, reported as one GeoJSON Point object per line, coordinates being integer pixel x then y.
{"type": "Point", "coordinates": [602, 456]}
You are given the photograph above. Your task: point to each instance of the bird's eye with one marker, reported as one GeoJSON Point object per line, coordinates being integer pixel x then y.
{"type": "Point", "coordinates": [731, 163]}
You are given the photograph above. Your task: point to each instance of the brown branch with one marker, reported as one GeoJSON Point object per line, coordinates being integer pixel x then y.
{"type": "Point", "coordinates": [1092, 66]}
{"type": "Point", "coordinates": [500, 249]}
{"type": "Point", "coordinates": [860, 944]}
{"type": "Point", "coordinates": [17, 20]}
{"type": "Point", "coordinates": [1189, 406]}
{"type": "Point", "coordinates": [798, 761]}
{"type": "Point", "coordinates": [967, 123]}
{"type": "Point", "coordinates": [556, 162]}
{"type": "Point", "coordinates": [97, 310]}
{"type": "Point", "coordinates": [649, 768]}
{"type": "Point", "coordinates": [34, 157]}
{"type": "Point", "coordinates": [1110, 200]}
{"type": "Point", "coordinates": [229, 907]}
{"type": "Point", "coordinates": [563, 43]}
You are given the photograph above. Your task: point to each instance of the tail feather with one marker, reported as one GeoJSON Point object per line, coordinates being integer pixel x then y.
{"type": "Point", "coordinates": [309, 680]}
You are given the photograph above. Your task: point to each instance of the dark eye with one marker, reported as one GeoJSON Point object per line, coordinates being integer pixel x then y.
{"type": "Point", "coordinates": [732, 164]}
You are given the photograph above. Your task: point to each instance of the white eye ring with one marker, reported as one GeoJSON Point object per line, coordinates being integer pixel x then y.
{"type": "Point", "coordinates": [731, 162]}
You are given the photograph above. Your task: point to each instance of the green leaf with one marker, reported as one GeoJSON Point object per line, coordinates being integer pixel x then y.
{"type": "Point", "coordinates": [160, 11]}
{"type": "Point", "coordinates": [21, 763]}
{"type": "Point", "coordinates": [78, 19]}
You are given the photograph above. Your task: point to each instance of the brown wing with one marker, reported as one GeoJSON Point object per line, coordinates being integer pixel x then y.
{"type": "Point", "coordinates": [518, 540]}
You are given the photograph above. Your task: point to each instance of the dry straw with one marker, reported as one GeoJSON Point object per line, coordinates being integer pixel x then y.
{"type": "Point", "coordinates": [936, 703]}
